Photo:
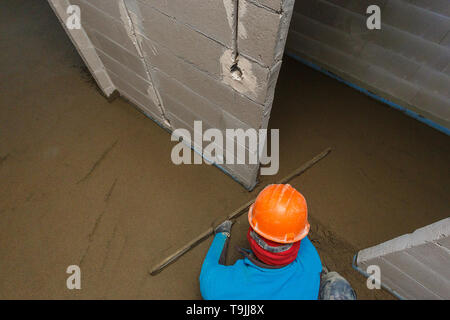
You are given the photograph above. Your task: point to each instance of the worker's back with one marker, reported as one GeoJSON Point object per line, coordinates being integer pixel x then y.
{"type": "Point", "coordinates": [244, 280]}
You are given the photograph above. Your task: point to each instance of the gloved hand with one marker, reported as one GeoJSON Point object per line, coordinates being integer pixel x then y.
{"type": "Point", "coordinates": [224, 227]}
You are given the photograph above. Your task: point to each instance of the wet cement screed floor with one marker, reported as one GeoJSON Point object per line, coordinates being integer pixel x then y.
{"type": "Point", "coordinates": [87, 182]}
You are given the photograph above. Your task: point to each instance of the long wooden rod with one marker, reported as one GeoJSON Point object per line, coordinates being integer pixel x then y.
{"type": "Point", "coordinates": [235, 214]}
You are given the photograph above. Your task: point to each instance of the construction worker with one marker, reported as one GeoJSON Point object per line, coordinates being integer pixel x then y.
{"type": "Point", "coordinates": [282, 262]}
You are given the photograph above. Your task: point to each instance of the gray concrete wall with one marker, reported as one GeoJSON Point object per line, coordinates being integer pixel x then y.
{"type": "Point", "coordinates": [416, 265]}
{"type": "Point", "coordinates": [173, 59]}
{"type": "Point", "coordinates": [406, 62]}
{"type": "Point", "coordinates": [85, 48]}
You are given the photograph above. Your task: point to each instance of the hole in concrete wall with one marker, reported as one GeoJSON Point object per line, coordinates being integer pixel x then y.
{"type": "Point", "coordinates": [236, 72]}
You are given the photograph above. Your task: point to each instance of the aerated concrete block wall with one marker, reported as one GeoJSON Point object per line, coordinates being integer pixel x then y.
{"type": "Point", "coordinates": [186, 60]}
{"type": "Point", "coordinates": [416, 265]}
{"type": "Point", "coordinates": [85, 48]}
{"type": "Point", "coordinates": [407, 61]}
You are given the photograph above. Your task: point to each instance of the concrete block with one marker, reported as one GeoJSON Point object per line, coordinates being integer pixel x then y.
{"type": "Point", "coordinates": [433, 256]}
{"type": "Point", "coordinates": [433, 106]}
{"type": "Point", "coordinates": [326, 34]}
{"type": "Point", "coordinates": [359, 6]}
{"type": "Point", "coordinates": [182, 40]}
{"type": "Point", "coordinates": [104, 81]}
{"type": "Point", "coordinates": [109, 7]}
{"type": "Point", "coordinates": [127, 75]}
{"type": "Point", "coordinates": [374, 78]}
{"type": "Point", "coordinates": [85, 47]}
{"type": "Point", "coordinates": [275, 5]}
{"type": "Point", "coordinates": [211, 88]}
{"type": "Point", "coordinates": [104, 24]}
{"type": "Point", "coordinates": [179, 100]}
{"type": "Point", "coordinates": [444, 242]}
{"type": "Point", "coordinates": [132, 5]}
{"type": "Point", "coordinates": [90, 53]}
{"type": "Point", "coordinates": [271, 86]}
{"type": "Point", "coordinates": [447, 70]}
{"type": "Point", "coordinates": [391, 84]}
{"type": "Point", "coordinates": [262, 33]}
{"type": "Point", "coordinates": [445, 42]}
{"type": "Point", "coordinates": [334, 16]}
{"type": "Point", "coordinates": [254, 83]}
{"type": "Point", "coordinates": [329, 57]}
{"type": "Point", "coordinates": [160, 5]}
{"type": "Point", "coordinates": [174, 60]}
{"type": "Point", "coordinates": [399, 281]}
{"type": "Point", "coordinates": [144, 102]}
{"type": "Point", "coordinates": [246, 174]}
{"type": "Point", "coordinates": [412, 47]}
{"type": "Point", "coordinates": [183, 118]}
{"type": "Point", "coordinates": [81, 37]}
{"type": "Point", "coordinates": [91, 33]}
{"type": "Point", "coordinates": [415, 20]}
{"type": "Point", "coordinates": [392, 62]}
{"type": "Point", "coordinates": [436, 82]}
{"type": "Point", "coordinates": [430, 233]}
{"type": "Point", "coordinates": [421, 273]}
{"type": "Point", "coordinates": [437, 6]}
{"type": "Point", "coordinates": [414, 264]}
{"type": "Point", "coordinates": [212, 18]}
{"type": "Point", "coordinates": [198, 106]}
{"type": "Point", "coordinates": [120, 54]}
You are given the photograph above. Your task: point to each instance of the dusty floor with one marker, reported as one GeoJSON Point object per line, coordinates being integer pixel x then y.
{"type": "Point", "coordinates": [87, 182]}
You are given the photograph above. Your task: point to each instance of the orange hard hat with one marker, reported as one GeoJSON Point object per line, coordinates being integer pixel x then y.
{"type": "Point", "coordinates": [280, 214]}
